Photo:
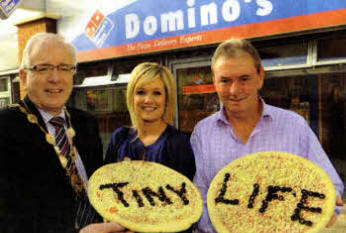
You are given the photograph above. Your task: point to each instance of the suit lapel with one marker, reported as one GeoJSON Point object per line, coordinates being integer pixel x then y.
{"type": "Point", "coordinates": [52, 158]}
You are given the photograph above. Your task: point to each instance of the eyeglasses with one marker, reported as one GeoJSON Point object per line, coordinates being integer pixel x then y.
{"type": "Point", "coordinates": [48, 68]}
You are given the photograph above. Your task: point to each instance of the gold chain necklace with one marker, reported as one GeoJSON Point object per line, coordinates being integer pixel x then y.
{"type": "Point", "coordinates": [77, 183]}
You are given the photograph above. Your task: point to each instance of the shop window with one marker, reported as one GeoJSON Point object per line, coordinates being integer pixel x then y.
{"type": "Point", "coordinates": [107, 103]}
{"type": "Point", "coordinates": [4, 102]}
{"type": "Point", "coordinates": [283, 55]}
{"type": "Point", "coordinates": [5, 93]}
{"type": "Point", "coordinates": [333, 119]}
{"type": "Point", "coordinates": [126, 66]}
{"type": "Point", "coordinates": [197, 98]}
{"type": "Point", "coordinates": [332, 49]}
{"type": "Point", "coordinates": [90, 70]}
{"type": "Point", "coordinates": [3, 85]}
{"type": "Point", "coordinates": [296, 93]}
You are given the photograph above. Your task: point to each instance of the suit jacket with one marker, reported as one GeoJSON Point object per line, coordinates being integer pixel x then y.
{"type": "Point", "coordinates": [35, 194]}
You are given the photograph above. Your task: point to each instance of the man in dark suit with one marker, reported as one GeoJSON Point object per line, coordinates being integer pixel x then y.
{"type": "Point", "coordinates": [47, 151]}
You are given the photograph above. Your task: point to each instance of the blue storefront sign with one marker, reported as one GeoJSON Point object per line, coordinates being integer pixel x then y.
{"type": "Point", "coordinates": [7, 7]}
{"type": "Point", "coordinates": [152, 25]}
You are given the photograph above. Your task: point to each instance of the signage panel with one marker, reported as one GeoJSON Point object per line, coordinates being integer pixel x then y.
{"type": "Point", "coordinates": [7, 7]}
{"type": "Point", "coordinates": [155, 25]}
{"type": "Point", "coordinates": [199, 89]}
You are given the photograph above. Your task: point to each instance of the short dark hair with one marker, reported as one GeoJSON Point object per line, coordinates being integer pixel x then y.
{"type": "Point", "coordinates": [236, 47]}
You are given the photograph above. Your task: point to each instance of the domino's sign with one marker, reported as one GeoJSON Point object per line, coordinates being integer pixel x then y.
{"type": "Point", "coordinates": [98, 28]}
{"type": "Point", "coordinates": [153, 25]}
{"type": "Point", "coordinates": [190, 18]}
{"type": "Point", "coordinates": [7, 7]}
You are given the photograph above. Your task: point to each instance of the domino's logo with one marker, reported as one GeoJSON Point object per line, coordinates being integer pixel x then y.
{"type": "Point", "coordinates": [199, 78]}
{"type": "Point", "coordinates": [98, 28]}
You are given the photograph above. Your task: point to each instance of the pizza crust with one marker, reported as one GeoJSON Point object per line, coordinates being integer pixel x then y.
{"type": "Point", "coordinates": [145, 196]}
{"type": "Point", "coordinates": [271, 192]}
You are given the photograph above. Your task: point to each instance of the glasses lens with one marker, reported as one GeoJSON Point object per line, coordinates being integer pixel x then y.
{"type": "Point", "coordinates": [64, 68]}
{"type": "Point", "coordinates": [42, 68]}
{"type": "Point", "coordinates": [46, 68]}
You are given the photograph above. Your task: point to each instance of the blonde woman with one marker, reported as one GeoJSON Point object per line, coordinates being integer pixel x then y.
{"type": "Point", "coordinates": [151, 101]}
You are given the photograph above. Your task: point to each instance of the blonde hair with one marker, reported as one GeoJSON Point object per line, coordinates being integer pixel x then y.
{"type": "Point", "coordinates": [42, 37]}
{"type": "Point", "coordinates": [143, 74]}
{"type": "Point", "coordinates": [236, 47]}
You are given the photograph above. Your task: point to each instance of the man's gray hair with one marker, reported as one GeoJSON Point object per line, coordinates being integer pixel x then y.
{"type": "Point", "coordinates": [43, 36]}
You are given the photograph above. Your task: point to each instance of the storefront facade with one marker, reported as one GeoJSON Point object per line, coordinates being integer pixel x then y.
{"type": "Point", "coordinates": [302, 44]}
{"type": "Point", "coordinates": [9, 87]}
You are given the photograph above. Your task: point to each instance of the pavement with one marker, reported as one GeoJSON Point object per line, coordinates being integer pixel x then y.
{"type": "Point", "coordinates": [340, 224]}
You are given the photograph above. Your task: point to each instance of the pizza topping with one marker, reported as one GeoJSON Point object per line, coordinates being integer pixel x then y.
{"type": "Point", "coordinates": [272, 195]}
{"type": "Point", "coordinates": [148, 193]}
{"type": "Point", "coordinates": [115, 187]}
{"type": "Point", "coordinates": [180, 193]}
{"type": "Point", "coordinates": [300, 206]}
{"type": "Point", "coordinates": [253, 195]}
{"type": "Point", "coordinates": [272, 190]}
{"type": "Point", "coordinates": [223, 190]}
{"type": "Point", "coordinates": [313, 194]}
{"type": "Point", "coordinates": [138, 198]}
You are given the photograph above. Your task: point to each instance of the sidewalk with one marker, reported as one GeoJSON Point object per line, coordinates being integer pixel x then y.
{"type": "Point", "coordinates": [340, 225]}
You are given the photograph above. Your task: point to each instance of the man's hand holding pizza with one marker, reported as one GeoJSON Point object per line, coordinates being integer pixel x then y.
{"type": "Point", "coordinates": [339, 202]}
{"type": "Point", "coordinates": [107, 227]}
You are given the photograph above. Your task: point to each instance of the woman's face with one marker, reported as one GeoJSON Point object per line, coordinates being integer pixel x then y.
{"type": "Point", "coordinates": [150, 101]}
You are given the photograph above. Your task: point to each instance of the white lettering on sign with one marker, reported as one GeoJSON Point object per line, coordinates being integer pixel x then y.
{"type": "Point", "coordinates": [266, 7]}
{"type": "Point", "coordinates": [131, 25]}
{"type": "Point", "coordinates": [209, 14]}
{"type": "Point", "coordinates": [165, 42]}
{"type": "Point", "coordinates": [9, 7]}
{"type": "Point", "coordinates": [230, 11]}
{"type": "Point", "coordinates": [5, 3]}
{"type": "Point", "coordinates": [131, 47]}
{"type": "Point", "coordinates": [190, 39]}
{"type": "Point", "coordinates": [191, 14]}
{"type": "Point", "coordinates": [150, 25]}
{"type": "Point", "coordinates": [143, 46]}
{"type": "Point", "coordinates": [172, 21]}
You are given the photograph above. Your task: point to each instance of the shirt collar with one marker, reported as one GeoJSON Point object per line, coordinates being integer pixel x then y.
{"type": "Point", "coordinates": [267, 110]}
{"type": "Point", "coordinates": [221, 116]}
{"type": "Point", "coordinates": [48, 116]}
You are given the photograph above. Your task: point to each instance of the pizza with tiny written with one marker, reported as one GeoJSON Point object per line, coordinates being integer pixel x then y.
{"type": "Point", "coordinates": [271, 192]}
{"type": "Point", "coordinates": [145, 196]}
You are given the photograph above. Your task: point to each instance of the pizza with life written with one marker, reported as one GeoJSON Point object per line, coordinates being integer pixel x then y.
{"type": "Point", "coordinates": [271, 192]}
{"type": "Point", "coordinates": [145, 196]}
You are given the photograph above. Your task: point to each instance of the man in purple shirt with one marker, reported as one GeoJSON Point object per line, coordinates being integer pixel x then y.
{"type": "Point", "coordinates": [246, 124]}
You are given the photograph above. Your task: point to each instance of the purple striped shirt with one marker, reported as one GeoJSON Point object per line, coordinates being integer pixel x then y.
{"type": "Point", "coordinates": [215, 145]}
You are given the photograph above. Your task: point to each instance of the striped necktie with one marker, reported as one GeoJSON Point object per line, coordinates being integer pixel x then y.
{"type": "Point", "coordinates": [61, 139]}
{"type": "Point", "coordinates": [85, 212]}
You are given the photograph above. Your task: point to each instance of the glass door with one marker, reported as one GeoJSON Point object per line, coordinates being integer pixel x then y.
{"type": "Point", "coordinates": [197, 98]}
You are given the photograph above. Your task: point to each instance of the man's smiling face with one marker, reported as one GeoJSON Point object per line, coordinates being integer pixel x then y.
{"type": "Point", "coordinates": [49, 89]}
{"type": "Point", "coordinates": [237, 82]}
